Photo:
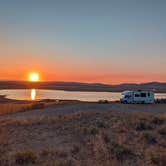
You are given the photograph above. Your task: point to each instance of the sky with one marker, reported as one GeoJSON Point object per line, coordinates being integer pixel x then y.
{"type": "Point", "coordinates": [106, 41]}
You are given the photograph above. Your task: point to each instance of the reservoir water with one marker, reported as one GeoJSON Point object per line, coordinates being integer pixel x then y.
{"type": "Point", "coordinates": [37, 94]}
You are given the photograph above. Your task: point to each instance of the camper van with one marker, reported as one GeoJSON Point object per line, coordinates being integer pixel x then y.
{"type": "Point", "coordinates": [137, 97]}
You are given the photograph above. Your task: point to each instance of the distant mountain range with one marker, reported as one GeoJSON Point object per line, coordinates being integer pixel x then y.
{"type": "Point", "coordinates": [77, 86]}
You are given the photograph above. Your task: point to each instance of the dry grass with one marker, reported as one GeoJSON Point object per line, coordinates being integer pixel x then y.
{"type": "Point", "coordinates": [6, 108]}
{"type": "Point", "coordinates": [84, 139]}
{"type": "Point", "coordinates": [13, 107]}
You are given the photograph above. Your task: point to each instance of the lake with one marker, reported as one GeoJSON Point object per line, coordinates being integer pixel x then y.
{"type": "Point", "coordinates": [36, 94]}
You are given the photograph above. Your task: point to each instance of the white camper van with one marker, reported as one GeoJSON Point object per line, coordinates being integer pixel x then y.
{"type": "Point", "coordinates": [137, 97]}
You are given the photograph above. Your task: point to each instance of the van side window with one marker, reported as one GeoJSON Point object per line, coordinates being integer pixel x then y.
{"type": "Point", "coordinates": [127, 96]}
{"type": "Point", "coordinates": [148, 94]}
{"type": "Point", "coordinates": [137, 95]}
{"type": "Point", "coordinates": [143, 94]}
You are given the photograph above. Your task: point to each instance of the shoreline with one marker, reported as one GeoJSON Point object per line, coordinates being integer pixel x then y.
{"type": "Point", "coordinates": [4, 99]}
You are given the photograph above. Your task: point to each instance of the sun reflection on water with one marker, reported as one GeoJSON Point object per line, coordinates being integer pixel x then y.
{"type": "Point", "coordinates": [33, 94]}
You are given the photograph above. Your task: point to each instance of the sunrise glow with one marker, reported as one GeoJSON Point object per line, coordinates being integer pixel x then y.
{"type": "Point", "coordinates": [34, 77]}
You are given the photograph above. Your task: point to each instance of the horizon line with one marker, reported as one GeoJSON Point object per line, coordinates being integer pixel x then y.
{"type": "Point", "coordinates": [86, 82]}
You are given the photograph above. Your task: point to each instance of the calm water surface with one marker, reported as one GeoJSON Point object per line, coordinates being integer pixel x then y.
{"type": "Point", "coordinates": [34, 94]}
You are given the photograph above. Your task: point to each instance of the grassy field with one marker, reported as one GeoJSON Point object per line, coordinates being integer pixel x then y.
{"type": "Point", "coordinates": [84, 139]}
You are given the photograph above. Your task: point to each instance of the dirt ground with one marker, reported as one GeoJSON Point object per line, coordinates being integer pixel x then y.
{"type": "Point", "coordinates": [83, 106]}
{"type": "Point", "coordinates": [85, 134]}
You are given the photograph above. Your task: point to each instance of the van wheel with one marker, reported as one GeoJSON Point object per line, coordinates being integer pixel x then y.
{"type": "Point", "coordinates": [124, 102]}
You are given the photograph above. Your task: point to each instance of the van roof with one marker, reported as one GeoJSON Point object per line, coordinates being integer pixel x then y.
{"type": "Point", "coordinates": [136, 91]}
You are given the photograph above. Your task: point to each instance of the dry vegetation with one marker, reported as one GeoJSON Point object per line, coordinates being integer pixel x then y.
{"type": "Point", "coordinates": [20, 106]}
{"type": "Point", "coordinates": [7, 108]}
{"type": "Point", "coordinates": [84, 138]}
{"type": "Point", "coordinates": [161, 101]}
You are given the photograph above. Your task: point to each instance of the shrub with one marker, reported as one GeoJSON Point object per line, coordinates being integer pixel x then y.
{"type": "Point", "coordinates": [157, 121]}
{"type": "Point", "coordinates": [106, 138]}
{"type": "Point", "coordinates": [49, 100]}
{"type": "Point", "coordinates": [162, 131]}
{"type": "Point", "coordinates": [119, 151]}
{"type": "Point", "coordinates": [45, 152]}
{"type": "Point", "coordinates": [101, 124]}
{"type": "Point", "coordinates": [53, 153]}
{"type": "Point", "coordinates": [61, 154]}
{"type": "Point", "coordinates": [93, 131]}
{"type": "Point", "coordinates": [38, 106]}
{"type": "Point", "coordinates": [103, 101]}
{"type": "Point", "coordinates": [90, 130]}
{"type": "Point", "coordinates": [25, 157]}
{"type": "Point", "coordinates": [75, 149]}
{"type": "Point", "coordinates": [161, 101]}
{"type": "Point", "coordinates": [143, 125]}
{"type": "Point", "coordinates": [150, 138]}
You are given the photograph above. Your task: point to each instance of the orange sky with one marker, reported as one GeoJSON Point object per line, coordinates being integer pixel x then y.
{"type": "Point", "coordinates": [16, 63]}
{"type": "Point", "coordinates": [18, 74]}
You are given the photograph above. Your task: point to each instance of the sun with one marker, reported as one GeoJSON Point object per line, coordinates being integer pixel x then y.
{"type": "Point", "coordinates": [34, 77]}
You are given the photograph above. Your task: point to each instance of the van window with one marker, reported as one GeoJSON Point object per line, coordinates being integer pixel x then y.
{"type": "Point", "coordinates": [148, 94]}
{"type": "Point", "coordinates": [143, 94]}
{"type": "Point", "coordinates": [127, 96]}
{"type": "Point", "coordinates": [137, 95]}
